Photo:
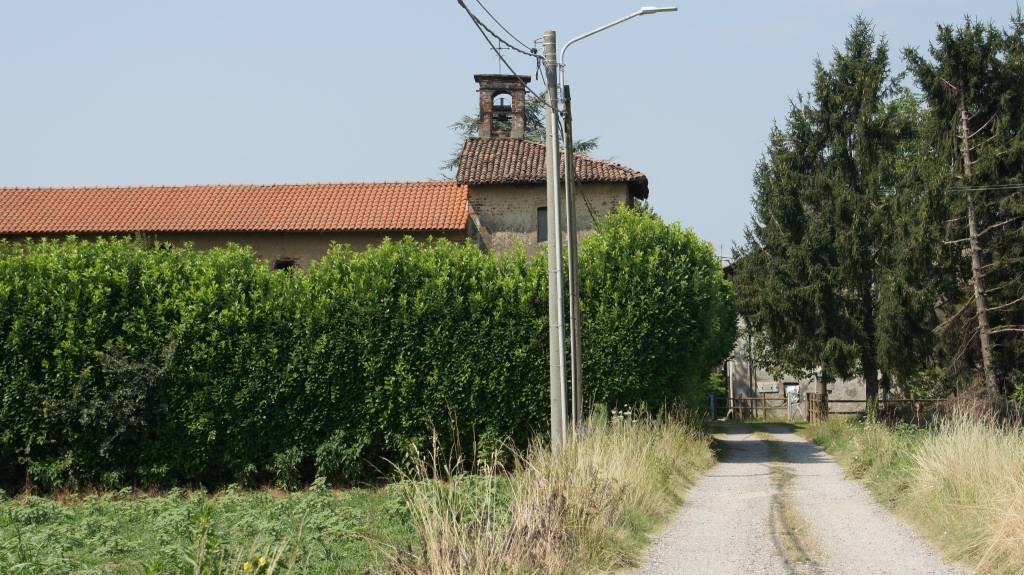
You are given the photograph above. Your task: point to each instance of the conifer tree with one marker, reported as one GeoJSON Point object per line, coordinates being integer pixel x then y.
{"type": "Point", "coordinates": [808, 274]}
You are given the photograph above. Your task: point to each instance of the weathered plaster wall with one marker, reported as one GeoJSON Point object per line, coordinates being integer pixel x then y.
{"type": "Point", "coordinates": [507, 214]}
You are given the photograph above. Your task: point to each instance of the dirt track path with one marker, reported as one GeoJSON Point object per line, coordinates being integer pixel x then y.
{"type": "Point", "coordinates": [779, 504]}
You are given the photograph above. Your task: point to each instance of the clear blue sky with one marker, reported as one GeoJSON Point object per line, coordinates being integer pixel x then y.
{"type": "Point", "coordinates": [144, 92]}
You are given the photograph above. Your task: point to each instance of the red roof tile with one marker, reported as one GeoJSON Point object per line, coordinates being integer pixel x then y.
{"type": "Point", "coordinates": [407, 206]}
{"type": "Point", "coordinates": [514, 161]}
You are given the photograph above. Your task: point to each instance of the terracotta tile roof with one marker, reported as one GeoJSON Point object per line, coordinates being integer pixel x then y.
{"type": "Point", "coordinates": [407, 206]}
{"type": "Point", "coordinates": [513, 161]}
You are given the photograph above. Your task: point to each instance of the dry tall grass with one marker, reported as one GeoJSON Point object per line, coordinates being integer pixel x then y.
{"type": "Point", "coordinates": [586, 510]}
{"type": "Point", "coordinates": [960, 482]}
{"type": "Point", "coordinates": [968, 491]}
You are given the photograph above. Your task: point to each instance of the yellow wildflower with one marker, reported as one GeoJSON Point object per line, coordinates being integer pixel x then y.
{"type": "Point", "coordinates": [263, 561]}
{"type": "Point", "coordinates": [246, 566]}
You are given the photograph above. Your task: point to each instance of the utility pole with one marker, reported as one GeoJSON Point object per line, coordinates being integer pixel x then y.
{"type": "Point", "coordinates": [556, 332]}
{"type": "Point", "coordinates": [977, 273]}
{"type": "Point", "coordinates": [575, 339]}
{"type": "Point", "coordinates": [576, 346]}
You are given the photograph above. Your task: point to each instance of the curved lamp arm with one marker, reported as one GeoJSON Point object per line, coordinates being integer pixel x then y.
{"type": "Point", "coordinates": [641, 12]}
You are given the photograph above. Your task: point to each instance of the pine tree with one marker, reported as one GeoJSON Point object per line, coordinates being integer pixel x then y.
{"type": "Point", "coordinates": [808, 275]}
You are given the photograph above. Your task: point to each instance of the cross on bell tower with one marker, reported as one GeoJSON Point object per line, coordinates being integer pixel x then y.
{"type": "Point", "coordinates": [502, 105]}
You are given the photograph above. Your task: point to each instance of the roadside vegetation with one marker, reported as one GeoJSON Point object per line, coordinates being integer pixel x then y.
{"type": "Point", "coordinates": [588, 510]}
{"type": "Point", "coordinates": [959, 482]}
{"type": "Point", "coordinates": [167, 410]}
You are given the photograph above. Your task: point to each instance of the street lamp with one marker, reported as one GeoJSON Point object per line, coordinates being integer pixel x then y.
{"type": "Point", "coordinates": [575, 342]}
{"type": "Point", "coordinates": [641, 12]}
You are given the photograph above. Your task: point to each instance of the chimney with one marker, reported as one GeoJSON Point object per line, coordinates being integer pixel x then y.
{"type": "Point", "coordinates": [502, 105]}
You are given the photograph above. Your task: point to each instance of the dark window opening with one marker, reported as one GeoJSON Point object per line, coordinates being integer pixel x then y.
{"type": "Point", "coordinates": [542, 225]}
{"type": "Point", "coordinates": [284, 263]}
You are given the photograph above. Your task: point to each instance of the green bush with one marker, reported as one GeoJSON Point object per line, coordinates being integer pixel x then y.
{"type": "Point", "coordinates": [122, 363]}
{"type": "Point", "coordinates": [657, 309]}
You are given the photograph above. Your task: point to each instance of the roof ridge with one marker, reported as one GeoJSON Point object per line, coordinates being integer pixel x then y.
{"type": "Point", "coordinates": [579, 155]}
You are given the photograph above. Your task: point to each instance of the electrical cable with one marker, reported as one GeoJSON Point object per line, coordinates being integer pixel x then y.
{"type": "Point", "coordinates": [993, 188]}
{"type": "Point", "coordinates": [576, 180]}
{"type": "Point", "coordinates": [479, 23]}
{"type": "Point", "coordinates": [502, 26]}
{"type": "Point", "coordinates": [484, 31]}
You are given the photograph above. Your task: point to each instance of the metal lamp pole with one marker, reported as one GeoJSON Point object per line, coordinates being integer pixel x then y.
{"type": "Point", "coordinates": [556, 329]}
{"type": "Point", "coordinates": [575, 339]}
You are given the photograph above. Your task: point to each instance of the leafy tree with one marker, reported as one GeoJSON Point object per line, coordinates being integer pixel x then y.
{"type": "Point", "coordinates": [467, 126]}
{"type": "Point", "coordinates": [808, 275]}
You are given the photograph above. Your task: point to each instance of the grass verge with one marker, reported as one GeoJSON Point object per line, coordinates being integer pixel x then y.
{"type": "Point", "coordinates": [590, 509]}
{"type": "Point", "coordinates": [960, 482]}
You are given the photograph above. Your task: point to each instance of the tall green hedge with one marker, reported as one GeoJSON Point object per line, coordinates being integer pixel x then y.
{"type": "Point", "coordinates": [122, 363]}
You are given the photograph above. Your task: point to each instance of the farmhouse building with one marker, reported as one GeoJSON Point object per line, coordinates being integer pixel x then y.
{"type": "Point", "coordinates": [497, 199]}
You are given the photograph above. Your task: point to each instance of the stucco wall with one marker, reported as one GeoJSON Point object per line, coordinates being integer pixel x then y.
{"type": "Point", "coordinates": [505, 214]}
{"type": "Point", "coordinates": [302, 247]}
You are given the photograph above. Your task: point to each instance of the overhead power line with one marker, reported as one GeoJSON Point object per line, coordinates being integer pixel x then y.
{"type": "Point", "coordinates": [487, 33]}
{"type": "Point", "coordinates": [993, 187]}
{"type": "Point", "coordinates": [502, 26]}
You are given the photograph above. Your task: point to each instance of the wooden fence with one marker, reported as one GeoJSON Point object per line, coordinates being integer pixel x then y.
{"type": "Point", "coordinates": [750, 407]}
{"type": "Point", "coordinates": [819, 407]}
{"type": "Point", "coordinates": [908, 410]}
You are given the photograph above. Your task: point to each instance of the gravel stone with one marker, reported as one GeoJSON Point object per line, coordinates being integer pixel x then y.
{"type": "Point", "coordinates": [725, 527]}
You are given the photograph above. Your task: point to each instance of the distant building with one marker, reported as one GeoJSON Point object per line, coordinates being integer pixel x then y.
{"type": "Point", "coordinates": [754, 391]}
{"type": "Point", "coordinates": [497, 199]}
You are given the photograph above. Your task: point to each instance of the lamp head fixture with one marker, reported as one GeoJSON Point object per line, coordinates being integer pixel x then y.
{"type": "Point", "coordinates": [655, 9]}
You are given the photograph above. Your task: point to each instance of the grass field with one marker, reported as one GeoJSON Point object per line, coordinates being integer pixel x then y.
{"type": "Point", "coordinates": [589, 510]}
{"type": "Point", "coordinates": [317, 531]}
{"type": "Point", "coordinates": [960, 483]}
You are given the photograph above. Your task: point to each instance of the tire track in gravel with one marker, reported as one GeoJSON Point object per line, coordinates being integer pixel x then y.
{"type": "Point", "coordinates": [852, 532]}
{"type": "Point", "coordinates": [789, 530]}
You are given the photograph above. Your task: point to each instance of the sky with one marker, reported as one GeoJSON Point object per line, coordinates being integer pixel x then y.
{"type": "Point", "coordinates": [139, 92]}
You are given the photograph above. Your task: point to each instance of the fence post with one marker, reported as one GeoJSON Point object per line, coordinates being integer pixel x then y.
{"type": "Point", "coordinates": [711, 396]}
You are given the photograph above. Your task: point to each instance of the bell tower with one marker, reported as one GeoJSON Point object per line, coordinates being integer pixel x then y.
{"type": "Point", "coordinates": [502, 105]}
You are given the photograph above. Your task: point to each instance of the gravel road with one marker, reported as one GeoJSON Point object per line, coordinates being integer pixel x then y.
{"type": "Point", "coordinates": [779, 504]}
